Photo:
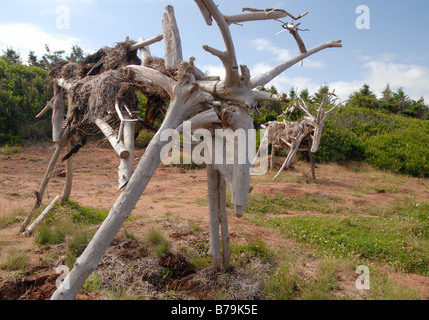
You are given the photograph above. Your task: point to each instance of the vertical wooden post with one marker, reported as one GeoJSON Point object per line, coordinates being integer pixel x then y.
{"type": "Point", "coordinates": [172, 43]}
{"type": "Point", "coordinates": [226, 251]}
{"type": "Point", "coordinates": [213, 178]}
{"type": "Point", "coordinates": [69, 177]}
{"type": "Point", "coordinates": [125, 169]}
{"type": "Point", "coordinates": [57, 115]}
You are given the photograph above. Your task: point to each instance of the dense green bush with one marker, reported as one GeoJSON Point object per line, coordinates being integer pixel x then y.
{"type": "Point", "coordinates": [24, 91]}
{"type": "Point", "coordinates": [396, 143]}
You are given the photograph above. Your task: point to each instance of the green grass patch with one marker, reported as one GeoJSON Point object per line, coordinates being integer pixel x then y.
{"type": "Point", "coordinates": [76, 242]}
{"type": "Point", "coordinates": [281, 204]}
{"type": "Point", "coordinates": [198, 255]}
{"type": "Point", "coordinates": [397, 236]}
{"type": "Point", "coordinates": [46, 234]}
{"type": "Point", "coordinates": [16, 260]}
{"type": "Point", "coordinates": [8, 150]}
{"type": "Point", "coordinates": [86, 215]}
{"type": "Point", "coordinates": [371, 239]}
{"type": "Point", "coordinates": [256, 248]}
{"type": "Point", "coordinates": [161, 244]}
{"type": "Point", "coordinates": [286, 283]}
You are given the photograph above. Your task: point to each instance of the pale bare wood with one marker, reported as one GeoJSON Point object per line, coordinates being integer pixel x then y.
{"type": "Point", "coordinates": [291, 134]}
{"type": "Point", "coordinates": [172, 44]}
{"type": "Point", "coordinates": [41, 191]}
{"type": "Point", "coordinates": [270, 75]}
{"type": "Point", "coordinates": [155, 77]}
{"type": "Point", "coordinates": [125, 170]}
{"type": "Point", "coordinates": [48, 65]}
{"type": "Point", "coordinates": [42, 216]}
{"type": "Point", "coordinates": [144, 52]}
{"type": "Point", "coordinates": [291, 153]}
{"type": "Point", "coordinates": [111, 136]}
{"type": "Point", "coordinates": [145, 43]}
{"type": "Point", "coordinates": [213, 197]}
{"type": "Point", "coordinates": [223, 217]}
{"type": "Point", "coordinates": [228, 57]}
{"type": "Point", "coordinates": [188, 100]}
{"type": "Point", "coordinates": [259, 14]}
{"type": "Point", "coordinates": [48, 106]}
{"type": "Point", "coordinates": [69, 176]}
{"type": "Point", "coordinates": [204, 12]}
{"type": "Point", "coordinates": [58, 114]}
{"type": "Point", "coordinates": [63, 83]}
{"type": "Point", "coordinates": [269, 11]}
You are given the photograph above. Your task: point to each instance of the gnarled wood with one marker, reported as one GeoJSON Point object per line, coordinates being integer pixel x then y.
{"type": "Point", "coordinates": [190, 92]}
{"type": "Point", "coordinates": [187, 100]}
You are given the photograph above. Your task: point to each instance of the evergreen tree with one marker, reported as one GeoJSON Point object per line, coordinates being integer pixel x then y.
{"type": "Point", "coordinates": [11, 55]}
{"type": "Point", "coordinates": [365, 98]}
{"type": "Point", "coordinates": [34, 62]}
{"type": "Point", "coordinates": [53, 57]}
{"type": "Point", "coordinates": [305, 95]}
{"type": "Point", "coordinates": [78, 53]}
{"type": "Point", "coordinates": [318, 96]}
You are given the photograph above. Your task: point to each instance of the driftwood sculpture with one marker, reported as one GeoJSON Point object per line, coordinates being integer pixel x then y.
{"type": "Point", "coordinates": [301, 135]}
{"type": "Point", "coordinates": [101, 92]}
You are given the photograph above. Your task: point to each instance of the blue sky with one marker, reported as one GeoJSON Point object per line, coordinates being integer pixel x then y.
{"type": "Point", "coordinates": [394, 50]}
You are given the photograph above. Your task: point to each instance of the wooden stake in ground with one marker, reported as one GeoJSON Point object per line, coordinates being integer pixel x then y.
{"type": "Point", "coordinates": [42, 216]}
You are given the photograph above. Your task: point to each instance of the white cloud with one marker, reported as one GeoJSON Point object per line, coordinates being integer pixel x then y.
{"type": "Point", "coordinates": [24, 37]}
{"type": "Point", "coordinates": [213, 70]}
{"type": "Point", "coordinates": [412, 78]}
{"type": "Point", "coordinates": [280, 54]}
{"type": "Point", "coordinates": [376, 73]}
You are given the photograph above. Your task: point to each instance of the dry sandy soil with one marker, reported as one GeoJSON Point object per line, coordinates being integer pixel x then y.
{"type": "Point", "coordinates": [176, 191]}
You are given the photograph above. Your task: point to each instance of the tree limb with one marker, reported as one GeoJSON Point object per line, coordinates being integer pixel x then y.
{"type": "Point", "coordinates": [144, 43]}
{"type": "Point", "coordinates": [270, 75]}
{"type": "Point", "coordinates": [260, 14]}
{"type": "Point", "coordinates": [155, 76]}
{"type": "Point", "coordinates": [230, 59]}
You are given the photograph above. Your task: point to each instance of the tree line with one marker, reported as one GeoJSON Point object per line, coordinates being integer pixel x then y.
{"type": "Point", "coordinates": [390, 131]}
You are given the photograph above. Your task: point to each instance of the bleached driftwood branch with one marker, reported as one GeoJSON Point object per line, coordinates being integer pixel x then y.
{"type": "Point", "coordinates": [260, 14]}
{"type": "Point", "coordinates": [42, 216]}
{"type": "Point", "coordinates": [48, 106]}
{"type": "Point", "coordinates": [118, 146]}
{"type": "Point", "coordinates": [145, 43]}
{"type": "Point", "coordinates": [228, 57]}
{"type": "Point", "coordinates": [270, 75]}
{"type": "Point", "coordinates": [172, 44]}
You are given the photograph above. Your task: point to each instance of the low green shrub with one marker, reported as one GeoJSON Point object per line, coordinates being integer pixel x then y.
{"type": "Point", "coordinates": [144, 138]}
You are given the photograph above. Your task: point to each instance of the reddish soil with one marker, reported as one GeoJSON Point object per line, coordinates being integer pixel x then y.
{"type": "Point", "coordinates": [180, 193]}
